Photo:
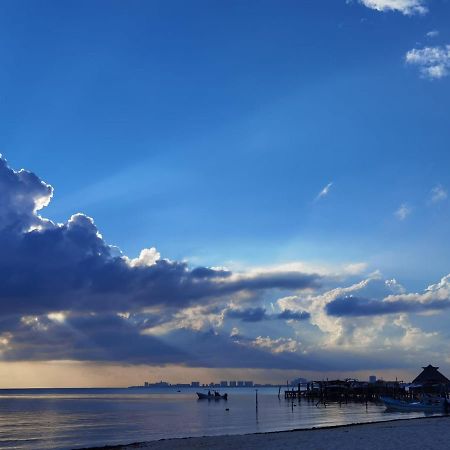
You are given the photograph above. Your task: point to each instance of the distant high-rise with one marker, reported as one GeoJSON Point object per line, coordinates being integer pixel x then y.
{"type": "Point", "coordinates": [248, 383]}
{"type": "Point", "coordinates": [372, 379]}
{"type": "Point", "coordinates": [240, 384]}
{"type": "Point", "coordinates": [224, 384]}
{"type": "Point", "coordinates": [232, 383]}
{"type": "Point", "coordinates": [195, 383]}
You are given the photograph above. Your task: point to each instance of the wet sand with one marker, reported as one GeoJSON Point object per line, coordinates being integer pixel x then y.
{"type": "Point", "coordinates": [424, 433]}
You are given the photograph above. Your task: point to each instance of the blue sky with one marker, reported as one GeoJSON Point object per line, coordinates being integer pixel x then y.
{"type": "Point", "coordinates": [209, 129]}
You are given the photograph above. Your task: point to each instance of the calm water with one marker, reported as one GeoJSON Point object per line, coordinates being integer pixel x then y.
{"type": "Point", "coordinates": [73, 418]}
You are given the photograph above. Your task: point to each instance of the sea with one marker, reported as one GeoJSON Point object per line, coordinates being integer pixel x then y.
{"type": "Point", "coordinates": [79, 418]}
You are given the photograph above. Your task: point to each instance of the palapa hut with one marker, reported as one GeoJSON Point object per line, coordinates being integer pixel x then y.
{"type": "Point", "coordinates": [431, 380]}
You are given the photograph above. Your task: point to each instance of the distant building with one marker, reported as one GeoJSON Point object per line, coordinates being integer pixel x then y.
{"type": "Point", "coordinates": [240, 384]}
{"type": "Point", "coordinates": [232, 383]}
{"type": "Point", "coordinates": [195, 383]}
{"type": "Point", "coordinates": [372, 379]}
{"type": "Point", "coordinates": [248, 383]}
{"type": "Point", "coordinates": [146, 384]}
{"type": "Point", "coordinates": [224, 384]}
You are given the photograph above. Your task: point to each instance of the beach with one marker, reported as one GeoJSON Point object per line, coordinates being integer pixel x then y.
{"type": "Point", "coordinates": [423, 433]}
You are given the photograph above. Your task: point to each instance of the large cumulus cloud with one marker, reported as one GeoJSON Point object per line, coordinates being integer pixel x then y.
{"type": "Point", "coordinates": [46, 266]}
{"type": "Point", "coordinates": [435, 298]}
{"type": "Point", "coordinates": [67, 294]}
{"type": "Point", "coordinates": [106, 301]}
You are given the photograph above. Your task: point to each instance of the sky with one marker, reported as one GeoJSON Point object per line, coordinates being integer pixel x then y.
{"type": "Point", "coordinates": [250, 189]}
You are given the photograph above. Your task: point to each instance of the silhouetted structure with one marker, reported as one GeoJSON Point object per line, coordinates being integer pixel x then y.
{"type": "Point", "coordinates": [431, 375]}
{"type": "Point", "coordinates": [431, 381]}
{"type": "Point", "coordinates": [343, 391]}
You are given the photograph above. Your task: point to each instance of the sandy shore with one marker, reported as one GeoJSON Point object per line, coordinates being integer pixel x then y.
{"type": "Point", "coordinates": [426, 433]}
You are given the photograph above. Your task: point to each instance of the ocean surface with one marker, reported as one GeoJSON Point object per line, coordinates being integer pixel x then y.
{"type": "Point", "coordinates": [75, 418]}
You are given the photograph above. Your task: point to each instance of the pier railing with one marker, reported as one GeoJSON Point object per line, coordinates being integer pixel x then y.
{"type": "Point", "coordinates": [343, 391]}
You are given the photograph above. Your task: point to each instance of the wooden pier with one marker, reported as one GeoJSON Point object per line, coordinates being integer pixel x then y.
{"type": "Point", "coordinates": [429, 382]}
{"type": "Point", "coordinates": [343, 391]}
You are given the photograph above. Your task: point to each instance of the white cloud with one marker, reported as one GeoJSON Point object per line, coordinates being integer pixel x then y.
{"type": "Point", "coordinates": [433, 62]}
{"type": "Point", "coordinates": [198, 318]}
{"type": "Point", "coordinates": [394, 328]}
{"type": "Point", "coordinates": [403, 212]}
{"type": "Point", "coordinates": [438, 194]}
{"type": "Point", "coordinates": [432, 33]}
{"type": "Point", "coordinates": [324, 192]}
{"type": "Point", "coordinates": [320, 268]}
{"type": "Point", "coordinates": [148, 257]}
{"type": "Point", "coordinates": [407, 7]}
{"type": "Point", "coordinates": [346, 332]}
{"type": "Point", "coordinates": [280, 345]}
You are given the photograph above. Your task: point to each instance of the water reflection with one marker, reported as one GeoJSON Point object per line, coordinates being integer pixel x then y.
{"type": "Point", "coordinates": [65, 419]}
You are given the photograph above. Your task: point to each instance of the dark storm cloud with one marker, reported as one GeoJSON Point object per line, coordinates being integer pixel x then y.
{"type": "Point", "coordinates": [260, 314]}
{"type": "Point", "coordinates": [248, 315]}
{"type": "Point", "coordinates": [109, 338]}
{"type": "Point", "coordinates": [206, 272]}
{"type": "Point", "coordinates": [112, 338]}
{"type": "Point", "coordinates": [48, 267]}
{"type": "Point", "coordinates": [357, 306]}
{"type": "Point", "coordinates": [87, 338]}
{"type": "Point", "coordinates": [287, 314]}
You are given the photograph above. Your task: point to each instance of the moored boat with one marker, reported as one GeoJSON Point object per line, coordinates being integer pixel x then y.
{"type": "Point", "coordinates": [430, 404]}
{"type": "Point", "coordinates": [212, 396]}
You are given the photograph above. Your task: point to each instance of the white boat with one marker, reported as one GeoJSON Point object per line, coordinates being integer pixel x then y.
{"type": "Point", "coordinates": [431, 404]}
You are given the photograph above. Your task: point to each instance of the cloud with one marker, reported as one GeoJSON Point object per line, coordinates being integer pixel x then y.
{"type": "Point", "coordinates": [67, 294]}
{"type": "Point", "coordinates": [435, 298]}
{"type": "Point", "coordinates": [148, 257]}
{"type": "Point", "coordinates": [248, 315]}
{"type": "Point", "coordinates": [342, 331]}
{"type": "Point", "coordinates": [106, 338]}
{"type": "Point", "coordinates": [324, 192]}
{"type": "Point", "coordinates": [102, 337]}
{"type": "Point", "coordinates": [355, 306]}
{"type": "Point", "coordinates": [407, 7]}
{"type": "Point", "coordinates": [403, 211]}
{"type": "Point", "coordinates": [23, 195]}
{"type": "Point", "coordinates": [287, 314]}
{"type": "Point", "coordinates": [259, 314]}
{"type": "Point", "coordinates": [433, 62]}
{"type": "Point", "coordinates": [432, 33]}
{"type": "Point", "coordinates": [279, 345]}
{"type": "Point", "coordinates": [438, 194]}
{"type": "Point", "coordinates": [46, 267]}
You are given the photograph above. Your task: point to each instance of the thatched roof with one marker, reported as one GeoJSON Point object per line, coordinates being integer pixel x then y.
{"type": "Point", "coordinates": [431, 375]}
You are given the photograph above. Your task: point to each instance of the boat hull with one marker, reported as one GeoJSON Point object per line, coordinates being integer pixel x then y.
{"type": "Point", "coordinates": [202, 396]}
{"type": "Point", "coordinates": [438, 405]}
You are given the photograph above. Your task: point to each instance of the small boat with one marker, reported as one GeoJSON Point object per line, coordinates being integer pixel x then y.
{"type": "Point", "coordinates": [430, 404]}
{"type": "Point", "coordinates": [212, 396]}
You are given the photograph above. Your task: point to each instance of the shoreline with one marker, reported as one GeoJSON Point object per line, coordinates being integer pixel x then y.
{"type": "Point", "coordinates": [416, 433]}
